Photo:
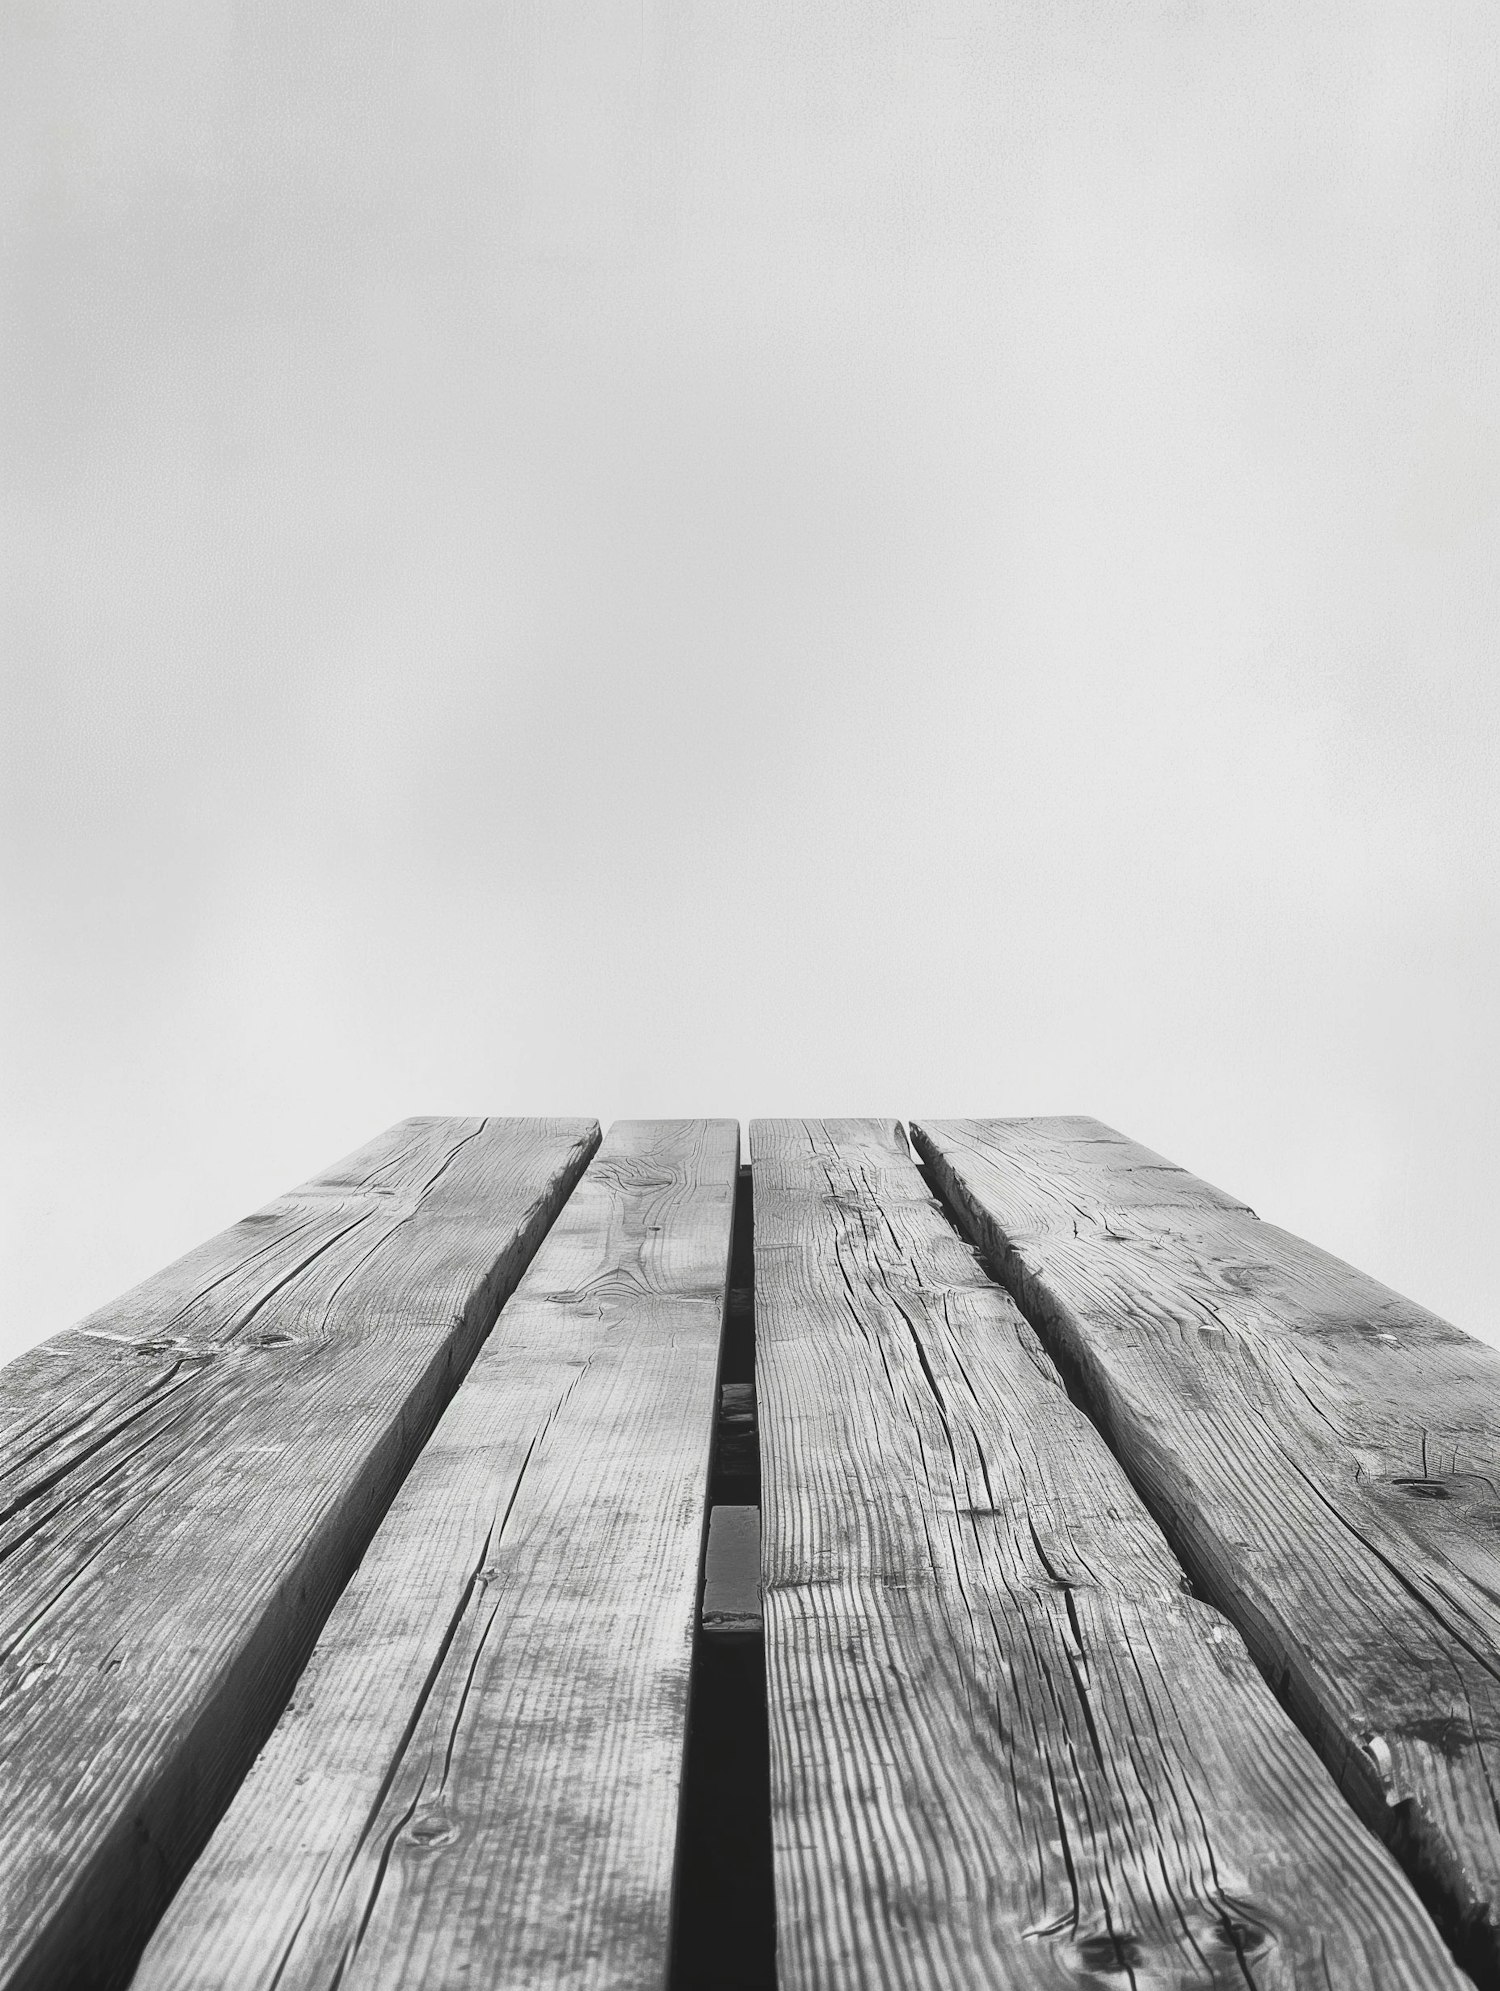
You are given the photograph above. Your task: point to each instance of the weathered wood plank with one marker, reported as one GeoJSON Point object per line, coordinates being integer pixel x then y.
{"type": "Point", "coordinates": [478, 1780]}
{"type": "Point", "coordinates": [731, 1574]}
{"type": "Point", "coordinates": [186, 1481]}
{"type": "Point", "coordinates": [1324, 1455]}
{"type": "Point", "coordinates": [1008, 1747]}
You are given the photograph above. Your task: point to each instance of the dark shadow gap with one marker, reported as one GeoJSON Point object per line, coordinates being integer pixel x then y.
{"type": "Point", "coordinates": [724, 1930]}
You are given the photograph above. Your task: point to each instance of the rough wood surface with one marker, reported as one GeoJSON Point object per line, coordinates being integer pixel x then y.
{"type": "Point", "coordinates": [1008, 1747]}
{"type": "Point", "coordinates": [477, 1782]}
{"type": "Point", "coordinates": [186, 1481]}
{"type": "Point", "coordinates": [1324, 1455]}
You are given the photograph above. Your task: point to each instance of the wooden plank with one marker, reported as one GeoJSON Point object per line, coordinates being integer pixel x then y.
{"type": "Point", "coordinates": [731, 1573]}
{"type": "Point", "coordinates": [1008, 1746]}
{"type": "Point", "coordinates": [478, 1780]}
{"type": "Point", "coordinates": [186, 1481]}
{"type": "Point", "coordinates": [1324, 1455]}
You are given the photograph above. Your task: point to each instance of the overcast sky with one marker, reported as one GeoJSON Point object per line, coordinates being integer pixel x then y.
{"type": "Point", "coordinates": [703, 557]}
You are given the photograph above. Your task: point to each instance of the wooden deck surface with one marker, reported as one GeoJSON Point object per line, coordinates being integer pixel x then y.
{"type": "Point", "coordinates": [187, 1480]}
{"type": "Point", "coordinates": [1090, 1567]}
{"type": "Point", "coordinates": [1008, 1748]}
{"type": "Point", "coordinates": [477, 1781]}
{"type": "Point", "coordinates": [1324, 1455]}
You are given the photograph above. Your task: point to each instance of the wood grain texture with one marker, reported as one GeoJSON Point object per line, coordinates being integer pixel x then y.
{"type": "Point", "coordinates": [477, 1781]}
{"type": "Point", "coordinates": [186, 1481]}
{"type": "Point", "coordinates": [1008, 1747]}
{"type": "Point", "coordinates": [1324, 1455]}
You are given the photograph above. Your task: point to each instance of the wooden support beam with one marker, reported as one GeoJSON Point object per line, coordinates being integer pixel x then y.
{"type": "Point", "coordinates": [731, 1574]}
{"type": "Point", "coordinates": [477, 1782]}
{"type": "Point", "coordinates": [1324, 1455]}
{"type": "Point", "coordinates": [187, 1480]}
{"type": "Point", "coordinates": [1009, 1747]}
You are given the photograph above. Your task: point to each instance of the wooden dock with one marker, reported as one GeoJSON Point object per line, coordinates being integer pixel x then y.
{"type": "Point", "coordinates": [963, 1553]}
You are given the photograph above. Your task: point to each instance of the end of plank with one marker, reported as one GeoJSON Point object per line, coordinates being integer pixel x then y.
{"type": "Point", "coordinates": [731, 1574]}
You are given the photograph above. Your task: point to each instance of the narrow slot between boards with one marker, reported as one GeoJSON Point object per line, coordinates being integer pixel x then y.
{"type": "Point", "coordinates": [724, 1935]}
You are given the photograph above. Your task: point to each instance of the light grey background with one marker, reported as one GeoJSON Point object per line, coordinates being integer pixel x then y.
{"type": "Point", "coordinates": [749, 557]}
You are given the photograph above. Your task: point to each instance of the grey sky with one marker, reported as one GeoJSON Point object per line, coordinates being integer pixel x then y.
{"type": "Point", "coordinates": [919, 559]}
